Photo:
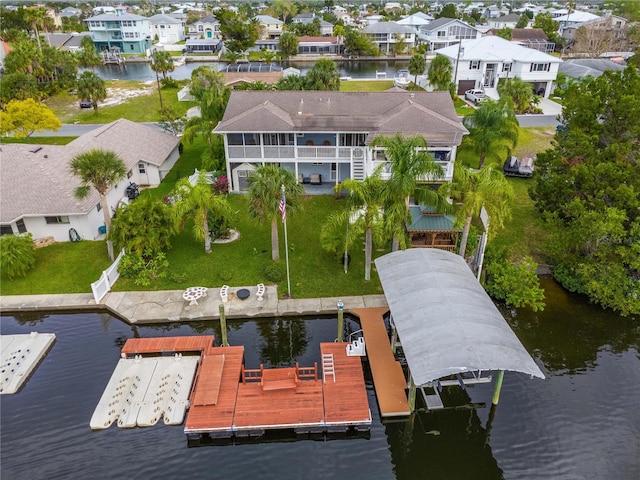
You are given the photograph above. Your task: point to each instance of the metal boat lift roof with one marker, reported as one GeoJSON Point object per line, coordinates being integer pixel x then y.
{"type": "Point", "coordinates": [445, 320]}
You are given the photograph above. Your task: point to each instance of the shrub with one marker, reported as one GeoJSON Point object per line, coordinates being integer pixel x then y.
{"type": "Point", "coordinates": [17, 255]}
{"type": "Point", "coordinates": [169, 82]}
{"type": "Point", "coordinates": [221, 185]}
{"type": "Point", "coordinates": [225, 275]}
{"type": "Point", "coordinates": [145, 268]}
{"type": "Point", "coordinates": [273, 273]}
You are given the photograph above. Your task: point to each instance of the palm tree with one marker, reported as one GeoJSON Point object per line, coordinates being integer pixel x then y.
{"type": "Point", "coordinates": [323, 75]}
{"type": "Point", "coordinates": [91, 87]}
{"type": "Point", "coordinates": [100, 169]}
{"type": "Point", "coordinates": [493, 128]}
{"type": "Point", "coordinates": [440, 73]}
{"type": "Point", "coordinates": [265, 193]}
{"type": "Point", "coordinates": [88, 56]}
{"type": "Point", "coordinates": [36, 17]}
{"type": "Point", "coordinates": [363, 212]}
{"type": "Point", "coordinates": [162, 62]}
{"type": "Point", "coordinates": [417, 66]}
{"type": "Point", "coordinates": [196, 201]}
{"type": "Point", "coordinates": [411, 164]}
{"type": "Point", "coordinates": [518, 92]}
{"type": "Point", "coordinates": [471, 190]}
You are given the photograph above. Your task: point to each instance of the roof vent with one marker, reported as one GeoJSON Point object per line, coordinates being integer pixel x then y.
{"type": "Point", "coordinates": [413, 95]}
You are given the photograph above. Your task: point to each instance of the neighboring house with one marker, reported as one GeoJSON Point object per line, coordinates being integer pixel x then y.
{"type": "Point", "coordinates": [69, 12]}
{"type": "Point", "coordinates": [347, 19]}
{"type": "Point", "coordinates": [447, 31]}
{"type": "Point", "coordinates": [603, 34]}
{"type": "Point", "coordinates": [483, 62]}
{"type": "Point", "coordinates": [167, 29]}
{"type": "Point", "coordinates": [306, 18]}
{"type": "Point", "coordinates": [416, 21]}
{"type": "Point", "coordinates": [571, 22]}
{"type": "Point", "coordinates": [327, 135]}
{"type": "Point", "coordinates": [507, 21]}
{"type": "Point", "coordinates": [128, 32]}
{"type": "Point", "coordinates": [271, 27]}
{"type": "Point", "coordinates": [530, 37]}
{"type": "Point", "coordinates": [5, 48]}
{"type": "Point", "coordinates": [319, 46]}
{"type": "Point", "coordinates": [495, 12]}
{"type": "Point", "coordinates": [385, 36]}
{"type": "Point", "coordinates": [37, 185]}
{"type": "Point", "coordinates": [68, 42]}
{"type": "Point", "coordinates": [207, 28]}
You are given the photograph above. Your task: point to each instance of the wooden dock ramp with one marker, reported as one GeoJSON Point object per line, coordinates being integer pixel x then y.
{"type": "Point", "coordinates": [388, 377]}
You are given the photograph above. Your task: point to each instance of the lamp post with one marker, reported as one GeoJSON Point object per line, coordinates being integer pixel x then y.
{"type": "Point", "coordinates": [340, 319]}
{"type": "Point", "coordinates": [455, 75]}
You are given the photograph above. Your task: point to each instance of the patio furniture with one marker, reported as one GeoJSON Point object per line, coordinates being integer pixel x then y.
{"type": "Point", "coordinates": [315, 179]}
{"type": "Point", "coordinates": [260, 292]}
{"type": "Point", "coordinates": [243, 293]}
{"type": "Point", "coordinates": [224, 293]}
{"type": "Point", "coordinates": [193, 294]}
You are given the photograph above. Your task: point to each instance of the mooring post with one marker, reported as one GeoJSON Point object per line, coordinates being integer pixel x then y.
{"type": "Point", "coordinates": [223, 326]}
{"type": "Point", "coordinates": [394, 340]}
{"type": "Point", "coordinates": [340, 319]}
{"type": "Point", "coordinates": [498, 387]}
{"type": "Point", "coordinates": [412, 394]}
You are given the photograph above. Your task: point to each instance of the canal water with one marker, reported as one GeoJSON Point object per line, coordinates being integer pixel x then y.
{"type": "Point", "coordinates": [582, 422]}
{"type": "Point", "coordinates": [352, 68]}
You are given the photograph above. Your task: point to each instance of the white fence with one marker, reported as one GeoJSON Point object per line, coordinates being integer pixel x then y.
{"type": "Point", "coordinates": [109, 276]}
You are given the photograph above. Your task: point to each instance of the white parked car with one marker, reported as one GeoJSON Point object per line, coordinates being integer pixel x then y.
{"type": "Point", "coordinates": [475, 96]}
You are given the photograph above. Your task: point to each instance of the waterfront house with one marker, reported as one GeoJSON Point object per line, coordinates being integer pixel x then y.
{"type": "Point", "coordinates": [482, 63]}
{"type": "Point", "coordinates": [506, 21]}
{"type": "Point", "coordinates": [167, 29]}
{"type": "Point", "coordinates": [306, 18]}
{"type": "Point", "coordinates": [125, 31]}
{"type": "Point", "coordinates": [205, 28]}
{"type": "Point", "coordinates": [447, 31]}
{"type": "Point", "coordinates": [386, 36]}
{"type": "Point", "coordinates": [324, 137]}
{"type": "Point", "coordinates": [37, 185]}
{"type": "Point", "coordinates": [529, 37]}
{"type": "Point", "coordinates": [319, 46]}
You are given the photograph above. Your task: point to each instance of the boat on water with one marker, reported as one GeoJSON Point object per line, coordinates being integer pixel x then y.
{"type": "Point", "coordinates": [402, 79]}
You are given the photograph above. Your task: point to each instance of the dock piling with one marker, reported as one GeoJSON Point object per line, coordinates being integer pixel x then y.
{"type": "Point", "coordinates": [223, 326]}
{"type": "Point", "coordinates": [498, 387]}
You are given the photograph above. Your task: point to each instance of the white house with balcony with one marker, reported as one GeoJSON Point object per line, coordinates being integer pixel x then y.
{"type": "Point", "coordinates": [167, 29]}
{"type": "Point", "coordinates": [484, 62]}
{"type": "Point", "coordinates": [325, 137]}
{"type": "Point", "coordinates": [387, 35]}
{"type": "Point", "coordinates": [447, 31]}
{"type": "Point", "coordinates": [128, 32]}
{"type": "Point", "coordinates": [37, 186]}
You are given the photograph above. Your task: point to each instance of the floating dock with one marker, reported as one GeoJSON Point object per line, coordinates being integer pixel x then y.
{"type": "Point", "coordinates": [19, 358]}
{"type": "Point", "coordinates": [238, 402]}
{"type": "Point", "coordinates": [145, 389]}
{"type": "Point", "coordinates": [388, 377]}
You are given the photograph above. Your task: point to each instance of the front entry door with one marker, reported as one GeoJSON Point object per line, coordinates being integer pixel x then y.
{"type": "Point", "coordinates": [490, 75]}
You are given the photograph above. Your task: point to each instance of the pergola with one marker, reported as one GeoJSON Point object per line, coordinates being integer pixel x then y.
{"type": "Point", "coordinates": [445, 320]}
{"type": "Point", "coordinates": [430, 229]}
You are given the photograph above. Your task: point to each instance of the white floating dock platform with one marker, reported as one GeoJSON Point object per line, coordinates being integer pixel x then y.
{"type": "Point", "coordinates": [142, 390]}
{"type": "Point", "coordinates": [20, 356]}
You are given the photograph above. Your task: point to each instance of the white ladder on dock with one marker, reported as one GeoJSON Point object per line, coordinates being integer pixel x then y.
{"type": "Point", "coordinates": [327, 367]}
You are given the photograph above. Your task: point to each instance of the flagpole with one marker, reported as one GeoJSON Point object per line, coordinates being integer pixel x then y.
{"type": "Point", "coordinates": [286, 242]}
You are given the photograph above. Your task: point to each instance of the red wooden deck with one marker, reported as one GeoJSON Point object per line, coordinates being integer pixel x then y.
{"type": "Point", "coordinates": [135, 346]}
{"type": "Point", "coordinates": [223, 375]}
{"type": "Point", "coordinates": [388, 377]}
{"type": "Point", "coordinates": [345, 400]}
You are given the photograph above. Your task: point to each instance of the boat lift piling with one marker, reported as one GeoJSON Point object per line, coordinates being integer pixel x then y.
{"type": "Point", "coordinates": [223, 326]}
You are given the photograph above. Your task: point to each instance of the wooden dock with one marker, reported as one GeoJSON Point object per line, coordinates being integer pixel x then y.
{"type": "Point", "coordinates": [229, 400]}
{"type": "Point", "coordinates": [388, 377]}
{"type": "Point", "coordinates": [139, 346]}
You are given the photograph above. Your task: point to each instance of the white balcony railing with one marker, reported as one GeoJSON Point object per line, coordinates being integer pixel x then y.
{"type": "Point", "coordinates": [289, 152]}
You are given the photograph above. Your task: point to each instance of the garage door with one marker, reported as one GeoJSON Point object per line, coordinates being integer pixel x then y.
{"type": "Point", "coordinates": [464, 85]}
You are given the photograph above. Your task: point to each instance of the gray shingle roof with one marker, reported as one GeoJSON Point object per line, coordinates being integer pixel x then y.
{"type": "Point", "coordinates": [428, 114]}
{"type": "Point", "coordinates": [387, 27]}
{"type": "Point", "coordinates": [110, 17]}
{"type": "Point", "coordinates": [160, 18]}
{"type": "Point", "coordinates": [40, 183]}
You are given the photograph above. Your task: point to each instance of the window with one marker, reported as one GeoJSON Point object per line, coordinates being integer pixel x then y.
{"type": "Point", "coordinates": [22, 228]}
{"type": "Point", "coordinates": [6, 230]}
{"type": "Point", "coordinates": [99, 206]}
{"type": "Point", "coordinates": [142, 168]}
{"type": "Point", "coordinates": [474, 65]}
{"type": "Point", "coordinates": [540, 67]}
{"type": "Point", "coordinates": [442, 33]}
{"type": "Point", "coordinates": [53, 220]}
{"type": "Point", "coordinates": [129, 173]}
{"type": "Point", "coordinates": [506, 67]}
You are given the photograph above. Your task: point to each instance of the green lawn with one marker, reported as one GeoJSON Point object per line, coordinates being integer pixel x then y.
{"type": "Point", "coordinates": [61, 268]}
{"type": "Point", "coordinates": [365, 85]}
{"type": "Point", "coordinates": [141, 108]}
